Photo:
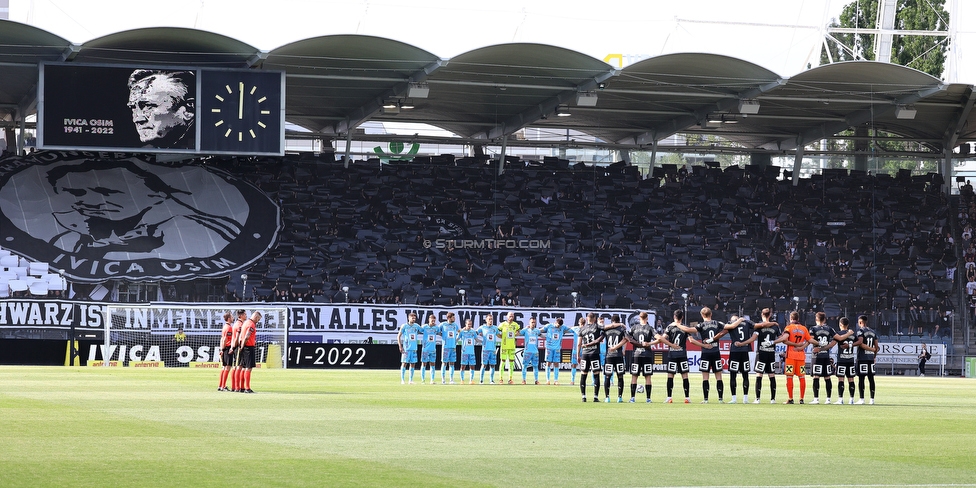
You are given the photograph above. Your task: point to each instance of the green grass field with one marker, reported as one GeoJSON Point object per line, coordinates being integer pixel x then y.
{"type": "Point", "coordinates": [129, 427]}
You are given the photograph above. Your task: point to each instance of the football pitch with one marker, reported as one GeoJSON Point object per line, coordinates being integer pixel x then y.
{"type": "Point", "coordinates": [85, 427]}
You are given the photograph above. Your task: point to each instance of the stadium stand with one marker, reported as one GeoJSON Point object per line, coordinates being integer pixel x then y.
{"type": "Point", "coordinates": [736, 239]}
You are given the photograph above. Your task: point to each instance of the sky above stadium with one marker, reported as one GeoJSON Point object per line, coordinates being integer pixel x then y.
{"type": "Point", "coordinates": [782, 36]}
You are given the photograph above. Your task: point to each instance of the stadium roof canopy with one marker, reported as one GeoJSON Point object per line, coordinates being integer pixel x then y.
{"type": "Point", "coordinates": [335, 83]}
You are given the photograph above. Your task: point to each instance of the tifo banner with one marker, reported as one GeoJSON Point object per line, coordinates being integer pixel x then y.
{"type": "Point", "coordinates": [101, 216]}
{"type": "Point", "coordinates": [379, 323]}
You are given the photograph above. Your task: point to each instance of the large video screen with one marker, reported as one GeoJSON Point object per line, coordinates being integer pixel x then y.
{"type": "Point", "coordinates": [161, 109]}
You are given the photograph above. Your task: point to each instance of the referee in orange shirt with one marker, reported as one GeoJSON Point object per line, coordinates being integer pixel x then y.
{"type": "Point", "coordinates": [248, 342]}
{"type": "Point", "coordinates": [796, 336]}
{"type": "Point", "coordinates": [226, 358]}
{"type": "Point", "coordinates": [235, 351]}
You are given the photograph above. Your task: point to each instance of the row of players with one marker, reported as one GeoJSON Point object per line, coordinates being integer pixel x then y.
{"type": "Point", "coordinates": [856, 352]}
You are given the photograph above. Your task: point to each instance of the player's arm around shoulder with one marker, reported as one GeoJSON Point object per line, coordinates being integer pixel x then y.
{"type": "Point", "coordinates": [722, 333]}
{"type": "Point", "coordinates": [657, 340]}
{"type": "Point", "coordinates": [686, 329]}
{"type": "Point", "coordinates": [735, 323]}
{"type": "Point", "coordinates": [783, 338]}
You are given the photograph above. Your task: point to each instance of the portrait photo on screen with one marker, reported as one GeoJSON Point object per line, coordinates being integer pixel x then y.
{"type": "Point", "coordinates": [112, 107]}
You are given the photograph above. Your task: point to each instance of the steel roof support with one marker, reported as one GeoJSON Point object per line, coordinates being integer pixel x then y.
{"type": "Point", "coordinates": [854, 119]}
{"type": "Point", "coordinates": [372, 107]}
{"type": "Point", "coordinates": [676, 124]}
{"type": "Point", "coordinates": [546, 107]}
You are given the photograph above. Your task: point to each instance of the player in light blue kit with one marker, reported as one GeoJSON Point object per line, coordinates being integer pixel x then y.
{"type": "Point", "coordinates": [449, 336]}
{"type": "Point", "coordinates": [468, 338]}
{"type": "Point", "coordinates": [490, 335]}
{"type": "Point", "coordinates": [428, 355]}
{"type": "Point", "coordinates": [554, 347]}
{"type": "Point", "coordinates": [407, 340]}
{"type": "Point", "coordinates": [574, 359]}
{"type": "Point", "coordinates": [530, 352]}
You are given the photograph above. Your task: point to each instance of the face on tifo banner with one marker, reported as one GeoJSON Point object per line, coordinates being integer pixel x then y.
{"type": "Point", "coordinates": [104, 218]}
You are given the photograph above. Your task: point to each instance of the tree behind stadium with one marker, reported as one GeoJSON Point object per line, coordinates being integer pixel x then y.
{"type": "Point", "coordinates": [924, 53]}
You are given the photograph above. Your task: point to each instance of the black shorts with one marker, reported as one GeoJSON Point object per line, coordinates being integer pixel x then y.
{"type": "Point", "coordinates": [846, 369]}
{"type": "Point", "coordinates": [865, 367]}
{"type": "Point", "coordinates": [226, 358]}
{"type": "Point", "coordinates": [614, 364]}
{"type": "Point", "coordinates": [710, 364]}
{"type": "Point", "coordinates": [246, 360]}
{"type": "Point", "coordinates": [589, 361]}
{"type": "Point", "coordinates": [739, 361]}
{"type": "Point", "coordinates": [677, 364]}
{"type": "Point", "coordinates": [642, 365]}
{"type": "Point", "coordinates": [765, 362]}
{"type": "Point", "coordinates": [822, 367]}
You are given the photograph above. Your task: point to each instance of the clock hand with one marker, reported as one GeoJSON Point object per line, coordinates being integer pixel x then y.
{"type": "Point", "coordinates": [240, 103]}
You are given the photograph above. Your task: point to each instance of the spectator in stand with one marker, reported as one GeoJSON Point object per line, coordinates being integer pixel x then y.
{"type": "Point", "coordinates": [581, 210]}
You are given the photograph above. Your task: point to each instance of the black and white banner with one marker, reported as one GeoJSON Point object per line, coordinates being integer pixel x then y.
{"type": "Point", "coordinates": [100, 216]}
{"type": "Point", "coordinates": [306, 322]}
{"type": "Point", "coordinates": [380, 323]}
{"type": "Point", "coordinates": [49, 319]}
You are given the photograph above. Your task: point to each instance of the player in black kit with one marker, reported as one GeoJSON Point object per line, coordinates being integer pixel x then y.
{"type": "Point", "coordinates": [640, 336]}
{"type": "Point", "coordinates": [676, 337]}
{"type": "Point", "coordinates": [846, 353]}
{"type": "Point", "coordinates": [615, 337]}
{"type": "Point", "coordinates": [709, 332]}
{"type": "Point", "coordinates": [867, 341]}
{"type": "Point", "coordinates": [767, 333]}
{"type": "Point", "coordinates": [739, 363]}
{"type": "Point", "coordinates": [823, 336]}
{"type": "Point", "coordinates": [590, 337]}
